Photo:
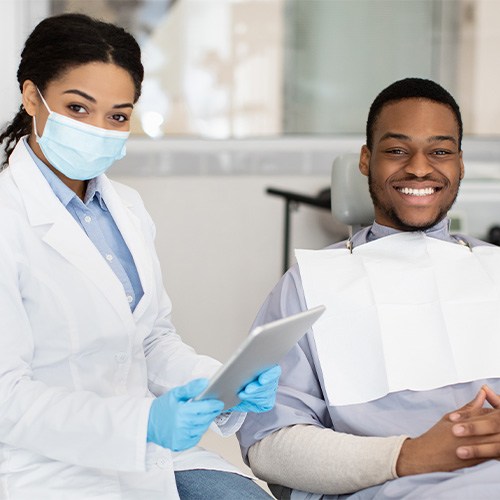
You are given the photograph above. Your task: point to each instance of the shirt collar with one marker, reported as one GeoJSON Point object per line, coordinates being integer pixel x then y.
{"type": "Point", "coordinates": [439, 230]}
{"type": "Point", "coordinates": [94, 189]}
{"type": "Point", "coordinates": [63, 192]}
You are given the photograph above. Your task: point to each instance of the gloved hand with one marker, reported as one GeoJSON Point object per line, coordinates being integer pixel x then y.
{"type": "Point", "coordinates": [259, 395]}
{"type": "Point", "coordinates": [177, 423]}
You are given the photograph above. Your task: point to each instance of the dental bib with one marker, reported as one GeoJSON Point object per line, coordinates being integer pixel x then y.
{"type": "Point", "coordinates": [403, 312]}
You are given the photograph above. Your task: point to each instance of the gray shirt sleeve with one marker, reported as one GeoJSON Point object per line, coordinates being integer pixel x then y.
{"type": "Point", "coordinates": [299, 398]}
{"type": "Point", "coordinates": [301, 413]}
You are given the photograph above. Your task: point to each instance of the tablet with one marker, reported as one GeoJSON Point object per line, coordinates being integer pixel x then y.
{"type": "Point", "coordinates": [264, 347]}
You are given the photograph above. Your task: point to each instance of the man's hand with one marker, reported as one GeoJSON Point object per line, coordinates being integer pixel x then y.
{"type": "Point", "coordinates": [481, 426]}
{"type": "Point", "coordinates": [436, 449]}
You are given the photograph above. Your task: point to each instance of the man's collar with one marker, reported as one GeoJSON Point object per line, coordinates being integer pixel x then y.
{"type": "Point", "coordinates": [439, 230]}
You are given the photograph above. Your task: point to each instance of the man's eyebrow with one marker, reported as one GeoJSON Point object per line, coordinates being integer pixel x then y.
{"type": "Point", "coordinates": [393, 135]}
{"type": "Point", "coordinates": [440, 138]}
{"type": "Point", "coordinates": [92, 99]}
{"type": "Point", "coordinates": [403, 137]}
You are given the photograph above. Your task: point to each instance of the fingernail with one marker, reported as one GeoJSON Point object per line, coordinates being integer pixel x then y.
{"type": "Point", "coordinates": [458, 430]}
{"type": "Point", "coordinates": [454, 417]}
{"type": "Point", "coordinates": [463, 452]}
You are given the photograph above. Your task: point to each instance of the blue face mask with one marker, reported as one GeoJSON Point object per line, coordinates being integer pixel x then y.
{"type": "Point", "coordinates": [78, 150]}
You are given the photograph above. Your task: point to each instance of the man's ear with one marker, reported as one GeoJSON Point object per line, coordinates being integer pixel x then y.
{"type": "Point", "coordinates": [31, 99]}
{"type": "Point", "coordinates": [364, 160]}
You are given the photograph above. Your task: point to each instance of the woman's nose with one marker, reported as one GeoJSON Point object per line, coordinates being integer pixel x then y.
{"type": "Point", "coordinates": [99, 121]}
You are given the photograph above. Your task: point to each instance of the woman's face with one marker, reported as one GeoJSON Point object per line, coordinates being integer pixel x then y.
{"type": "Point", "coordinates": [97, 93]}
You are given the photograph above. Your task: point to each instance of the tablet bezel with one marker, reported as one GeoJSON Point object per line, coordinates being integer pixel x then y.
{"type": "Point", "coordinates": [243, 366]}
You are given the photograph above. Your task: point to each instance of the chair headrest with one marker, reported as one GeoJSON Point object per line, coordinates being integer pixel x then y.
{"type": "Point", "coordinates": [351, 201]}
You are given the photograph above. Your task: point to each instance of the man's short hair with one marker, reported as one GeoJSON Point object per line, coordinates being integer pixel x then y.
{"type": "Point", "coordinates": [411, 88]}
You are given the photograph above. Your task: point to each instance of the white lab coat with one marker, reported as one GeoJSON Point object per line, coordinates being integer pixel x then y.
{"type": "Point", "coordinates": [76, 365]}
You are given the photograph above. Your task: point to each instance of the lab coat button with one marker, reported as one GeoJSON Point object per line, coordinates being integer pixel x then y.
{"type": "Point", "coordinates": [162, 462]}
{"type": "Point", "coordinates": [121, 357]}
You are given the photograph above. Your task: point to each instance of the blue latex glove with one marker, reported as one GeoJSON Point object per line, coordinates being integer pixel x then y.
{"type": "Point", "coordinates": [177, 423]}
{"type": "Point", "coordinates": [259, 395]}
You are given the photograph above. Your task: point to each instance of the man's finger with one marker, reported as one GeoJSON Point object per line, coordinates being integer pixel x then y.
{"type": "Point", "coordinates": [490, 450]}
{"type": "Point", "coordinates": [491, 396]}
{"type": "Point", "coordinates": [466, 410]}
{"type": "Point", "coordinates": [478, 427]}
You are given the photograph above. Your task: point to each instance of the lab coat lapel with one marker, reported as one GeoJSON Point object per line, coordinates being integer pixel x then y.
{"type": "Point", "coordinates": [60, 231]}
{"type": "Point", "coordinates": [130, 228]}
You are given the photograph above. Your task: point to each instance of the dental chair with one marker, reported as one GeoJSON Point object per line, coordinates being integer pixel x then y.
{"type": "Point", "coordinates": [351, 201]}
{"type": "Point", "coordinates": [352, 205]}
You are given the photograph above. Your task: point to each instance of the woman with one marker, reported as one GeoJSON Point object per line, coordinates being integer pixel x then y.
{"type": "Point", "coordinates": [86, 337]}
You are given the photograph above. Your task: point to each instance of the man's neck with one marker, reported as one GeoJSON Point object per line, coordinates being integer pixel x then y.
{"type": "Point", "coordinates": [440, 230]}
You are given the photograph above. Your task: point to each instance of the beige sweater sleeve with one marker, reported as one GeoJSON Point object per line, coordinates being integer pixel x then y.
{"type": "Point", "coordinates": [318, 460]}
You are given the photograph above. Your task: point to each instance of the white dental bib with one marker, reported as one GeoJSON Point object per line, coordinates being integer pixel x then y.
{"type": "Point", "coordinates": [403, 312]}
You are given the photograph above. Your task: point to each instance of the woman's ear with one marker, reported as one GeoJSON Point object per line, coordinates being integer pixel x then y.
{"type": "Point", "coordinates": [364, 160]}
{"type": "Point", "coordinates": [31, 99]}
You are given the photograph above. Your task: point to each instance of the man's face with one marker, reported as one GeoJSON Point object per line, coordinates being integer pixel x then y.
{"type": "Point", "coordinates": [415, 165]}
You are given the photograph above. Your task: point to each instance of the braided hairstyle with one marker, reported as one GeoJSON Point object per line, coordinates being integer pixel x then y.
{"type": "Point", "coordinates": [63, 42]}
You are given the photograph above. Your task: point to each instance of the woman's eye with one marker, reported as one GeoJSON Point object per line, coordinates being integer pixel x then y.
{"type": "Point", "coordinates": [120, 118]}
{"type": "Point", "coordinates": [77, 108]}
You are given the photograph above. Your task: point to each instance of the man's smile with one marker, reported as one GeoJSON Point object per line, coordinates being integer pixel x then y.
{"type": "Point", "coordinates": [417, 192]}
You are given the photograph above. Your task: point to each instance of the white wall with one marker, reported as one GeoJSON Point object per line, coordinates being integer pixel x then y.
{"type": "Point", "coordinates": [10, 20]}
{"type": "Point", "coordinates": [17, 19]}
{"type": "Point", "coordinates": [484, 71]}
{"type": "Point", "coordinates": [220, 243]}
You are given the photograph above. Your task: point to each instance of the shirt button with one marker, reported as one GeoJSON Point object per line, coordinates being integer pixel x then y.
{"type": "Point", "coordinates": [87, 218]}
{"type": "Point", "coordinates": [109, 257]}
{"type": "Point", "coordinates": [130, 299]}
{"type": "Point", "coordinates": [121, 357]}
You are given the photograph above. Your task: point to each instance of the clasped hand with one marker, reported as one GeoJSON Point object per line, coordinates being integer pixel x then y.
{"type": "Point", "coordinates": [462, 438]}
{"type": "Point", "coordinates": [178, 422]}
{"type": "Point", "coordinates": [480, 425]}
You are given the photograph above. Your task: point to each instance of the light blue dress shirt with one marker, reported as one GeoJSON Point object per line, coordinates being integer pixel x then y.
{"type": "Point", "coordinates": [94, 218]}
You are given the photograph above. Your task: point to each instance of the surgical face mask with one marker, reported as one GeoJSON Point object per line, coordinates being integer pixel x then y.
{"type": "Point", "coordinates": [78, 150]}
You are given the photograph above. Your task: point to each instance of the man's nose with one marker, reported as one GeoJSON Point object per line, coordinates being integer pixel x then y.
{"type": "Point", "coordinates": [419, 165]}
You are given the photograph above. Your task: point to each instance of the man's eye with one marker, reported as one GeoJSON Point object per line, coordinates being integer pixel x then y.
{"type": "Point", "coordinates": [440, 152]}
{"type": "Point", "coordinates": [396, 151]}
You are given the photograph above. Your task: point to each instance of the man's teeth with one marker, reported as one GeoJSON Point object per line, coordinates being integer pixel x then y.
{"type": "Point", "coordinates": [417, 192]}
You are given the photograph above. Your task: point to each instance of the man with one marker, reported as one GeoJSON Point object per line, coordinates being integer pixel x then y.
{"type": "Point", "coordinates": [394, 392]}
